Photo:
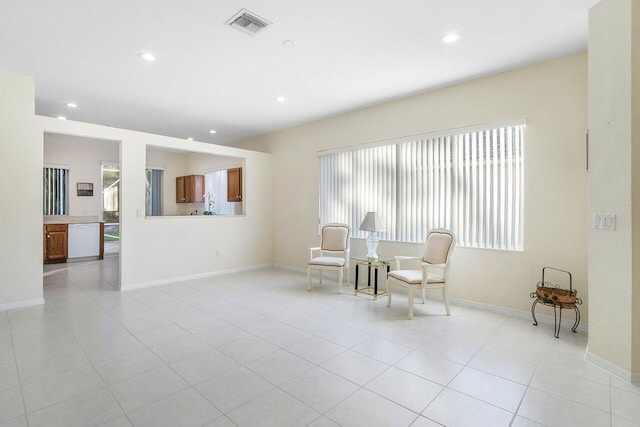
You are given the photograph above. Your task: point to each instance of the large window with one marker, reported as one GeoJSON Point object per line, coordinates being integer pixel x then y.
{"type": "Point", "coordinates": [469, 181]}
{"type": "Point", "coordinates": [111, 193]}
{"type": "Point", "coordinates": [111, 206]}
{"type": "Point", "coordinates": [215, 197]}
{"type": "Point", "coordinates": [55, 181]}
{"type": "Point", "coordinates": [154, 191]}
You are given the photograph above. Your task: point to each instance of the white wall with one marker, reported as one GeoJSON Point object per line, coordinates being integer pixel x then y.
{"type": "Point", "coordinates": [84, 158]}
{"type": "Point", "coordinates": [157, 249]}
{"type": "Point", "coordinates": [614, 183]}
{"type": "Point", "coordinates": [635, 137]}
{"type": "Point", "coordinates": [21, 189]}
{"type": "Point", "coordinates": [551, 95]}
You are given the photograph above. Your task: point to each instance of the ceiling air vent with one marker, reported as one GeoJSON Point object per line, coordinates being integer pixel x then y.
{"type": "Point", "coordinates": [248, 22]}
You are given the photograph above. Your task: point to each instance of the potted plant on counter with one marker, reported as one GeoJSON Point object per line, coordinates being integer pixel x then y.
{"type": "Point", "coordinates": [210, 202]}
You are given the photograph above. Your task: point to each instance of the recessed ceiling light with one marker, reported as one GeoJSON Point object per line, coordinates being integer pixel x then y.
{"type": "Point", "coordinates": [212, 131]}
{"type": "Point", "coordinates": [61, 118]}
{"type": "Point", "coordinates": [72, 105]}
{"type": "Point", "coordinates": [280, 99]}
{"type": "Point", "coordinates": [190, 139]}
{"type": "Point", "coordinates": [147, 56]}
{"type": "Point", "coordinates": [451, 38]}
{"type": "Point", "coordinates": [290, 43]}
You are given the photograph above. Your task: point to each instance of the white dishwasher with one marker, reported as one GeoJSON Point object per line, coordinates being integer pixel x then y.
{"type": "Point", "coordinates": [84, 240]}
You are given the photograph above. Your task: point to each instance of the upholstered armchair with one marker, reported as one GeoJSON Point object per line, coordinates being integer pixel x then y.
{"type": "Point", "coordinates": [332, 254]}
{"type": "Point", "coordinates": [432, 272]}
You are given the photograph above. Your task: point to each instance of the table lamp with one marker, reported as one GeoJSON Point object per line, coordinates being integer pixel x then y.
{"type": "Point", "coordinates": [372, 223]}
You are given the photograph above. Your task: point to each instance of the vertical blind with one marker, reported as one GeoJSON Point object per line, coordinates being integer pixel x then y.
{"type": "Point", "coordinates": [469, 181]}
{"type": "Point", "coordinates": [154, 191]}
{"type": "Point", "coordinates": [55, 182]}
{"type": "Point", "coordinates": [215, 187]}
{"type": "Point", "coordinates": [356, 182]}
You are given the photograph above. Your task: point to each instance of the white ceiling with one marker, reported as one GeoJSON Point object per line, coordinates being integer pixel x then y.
{"type": "Point", "coordinates": [350, 54]}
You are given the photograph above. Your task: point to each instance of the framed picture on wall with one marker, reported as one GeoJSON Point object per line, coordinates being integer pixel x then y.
{"type": "Point", "coordinates": [85, 189]}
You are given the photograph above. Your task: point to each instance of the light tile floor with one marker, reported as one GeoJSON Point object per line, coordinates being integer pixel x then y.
{"type": "Point", "coordinates": [257, 349]}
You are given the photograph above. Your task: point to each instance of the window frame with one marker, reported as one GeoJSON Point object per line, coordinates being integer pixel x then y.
{"type": "Point", "coordinates": [228, 208]}
{"type": "Point", "coordinates": [465, 163]}
{"type": "Point", "coordinates": [150, 190]}
{"type": "Point", "coordinates": [49, 206]}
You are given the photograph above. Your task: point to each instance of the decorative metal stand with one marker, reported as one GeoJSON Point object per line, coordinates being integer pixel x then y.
{"type": "Point", "coordinates": [372, 264]}
{"type": "Point", "coordinates": [552, 295]}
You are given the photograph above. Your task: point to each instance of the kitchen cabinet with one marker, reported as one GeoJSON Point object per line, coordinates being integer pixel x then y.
{"type": "Point", "coordinates": [234, 185]}
{"type": "Point", "coordinates": [190, 189]}
{"type": "Point", "coordinates": [54, 243]}
{"type": "Point", "coordinates": [72, 238]}
{"type": "Point", "coordinates": [180, 196]}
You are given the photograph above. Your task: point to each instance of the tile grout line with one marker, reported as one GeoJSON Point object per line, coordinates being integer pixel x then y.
{"type": "Point", "coordinates": [193, 386]}
{"type": "Point", "coordinates": [286, 392]}
{"type": "Point", "coordinates": [323, 314]}
{"type": "Point", "coordinates": [103, 383]}
{"type": "Point", "coordinates": [15, 361]}
{"type": "Point", "coordinates": [106, 386]}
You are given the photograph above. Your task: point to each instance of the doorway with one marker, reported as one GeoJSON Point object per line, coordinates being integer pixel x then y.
{"type": "Point", "coordinates": [88, 161]}
{"type": "Point", "coordinates": [111, 207]}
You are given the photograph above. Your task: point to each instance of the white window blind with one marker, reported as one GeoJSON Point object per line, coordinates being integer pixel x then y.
{"type": "Point", "coordinates": [469, 181]}
{"type": "Point", "coordinates": [215, 187]}
{"type": "Point", "coordinates": [55, 184]}
{"type": "Point", "coordinates": [356, 182]}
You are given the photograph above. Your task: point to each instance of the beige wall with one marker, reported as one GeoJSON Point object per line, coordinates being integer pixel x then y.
{"type": "Point", "coordinates": [84, 159]}
{"type": "Point", "coordinates": [179, 164]}
{"type": "Point", "coordinates": [174, 164]}
{"type": "Point", "coordinates": [635, 137]}
{"type": "Point", "coordinates": [157, 249]}
{"type": "Point", "coordinates": [551, 95]}
{"type": "Point", "coordinates": [199, 164]}
{"type": "Point", "coordinates": [614, 183]}
{"type": "Point", "coordinates": [21, 189]}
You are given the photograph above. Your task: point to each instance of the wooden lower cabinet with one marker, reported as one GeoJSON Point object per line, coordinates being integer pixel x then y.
{"type": "Point", "coordinates": [54, 243]}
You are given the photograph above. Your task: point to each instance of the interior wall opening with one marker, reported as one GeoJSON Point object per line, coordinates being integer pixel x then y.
{"type": "Point", "coordinates": [81, 206]}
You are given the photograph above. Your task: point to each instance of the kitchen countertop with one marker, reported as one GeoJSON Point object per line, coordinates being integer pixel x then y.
{"type": "Point", "coordinates": [65, 219]}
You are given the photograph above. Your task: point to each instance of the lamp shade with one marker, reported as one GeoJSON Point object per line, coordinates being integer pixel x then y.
{"type": "Point", "coordinates": [372, 222]}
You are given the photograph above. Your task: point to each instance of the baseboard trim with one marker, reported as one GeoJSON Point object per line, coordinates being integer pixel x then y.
{"type": "Point", "coordinates": [140, 285]}
{"type": "Point", "coordinates": [542, 318]}
{"type": "Point", "coordinates": [623, 374]}
{"type": "Point", "coordinates": [289, 268]}
{"type": "Point", "coordinates": [21, 304]}
{"type": "Point", "coordinates": [70, 264]}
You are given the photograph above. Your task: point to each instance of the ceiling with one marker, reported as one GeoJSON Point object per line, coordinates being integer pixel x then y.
{"type": "Point", "coordinates": [349, 54]}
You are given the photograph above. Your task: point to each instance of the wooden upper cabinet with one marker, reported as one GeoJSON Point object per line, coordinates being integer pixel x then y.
{"type": "Point", "coordinates": [180, 195]}
{"type": "Point", "coordinates": [234, 185]}
{"type": "Point", "coordinates": [54, 243]}
{"type": "Point", "coordinates": [194, 188]}
{"type": "Point", "coordinates": [190, 189]}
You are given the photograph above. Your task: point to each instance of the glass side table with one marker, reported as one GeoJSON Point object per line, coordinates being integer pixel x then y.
{"type": "Point", "coordinates": [375, 265]}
